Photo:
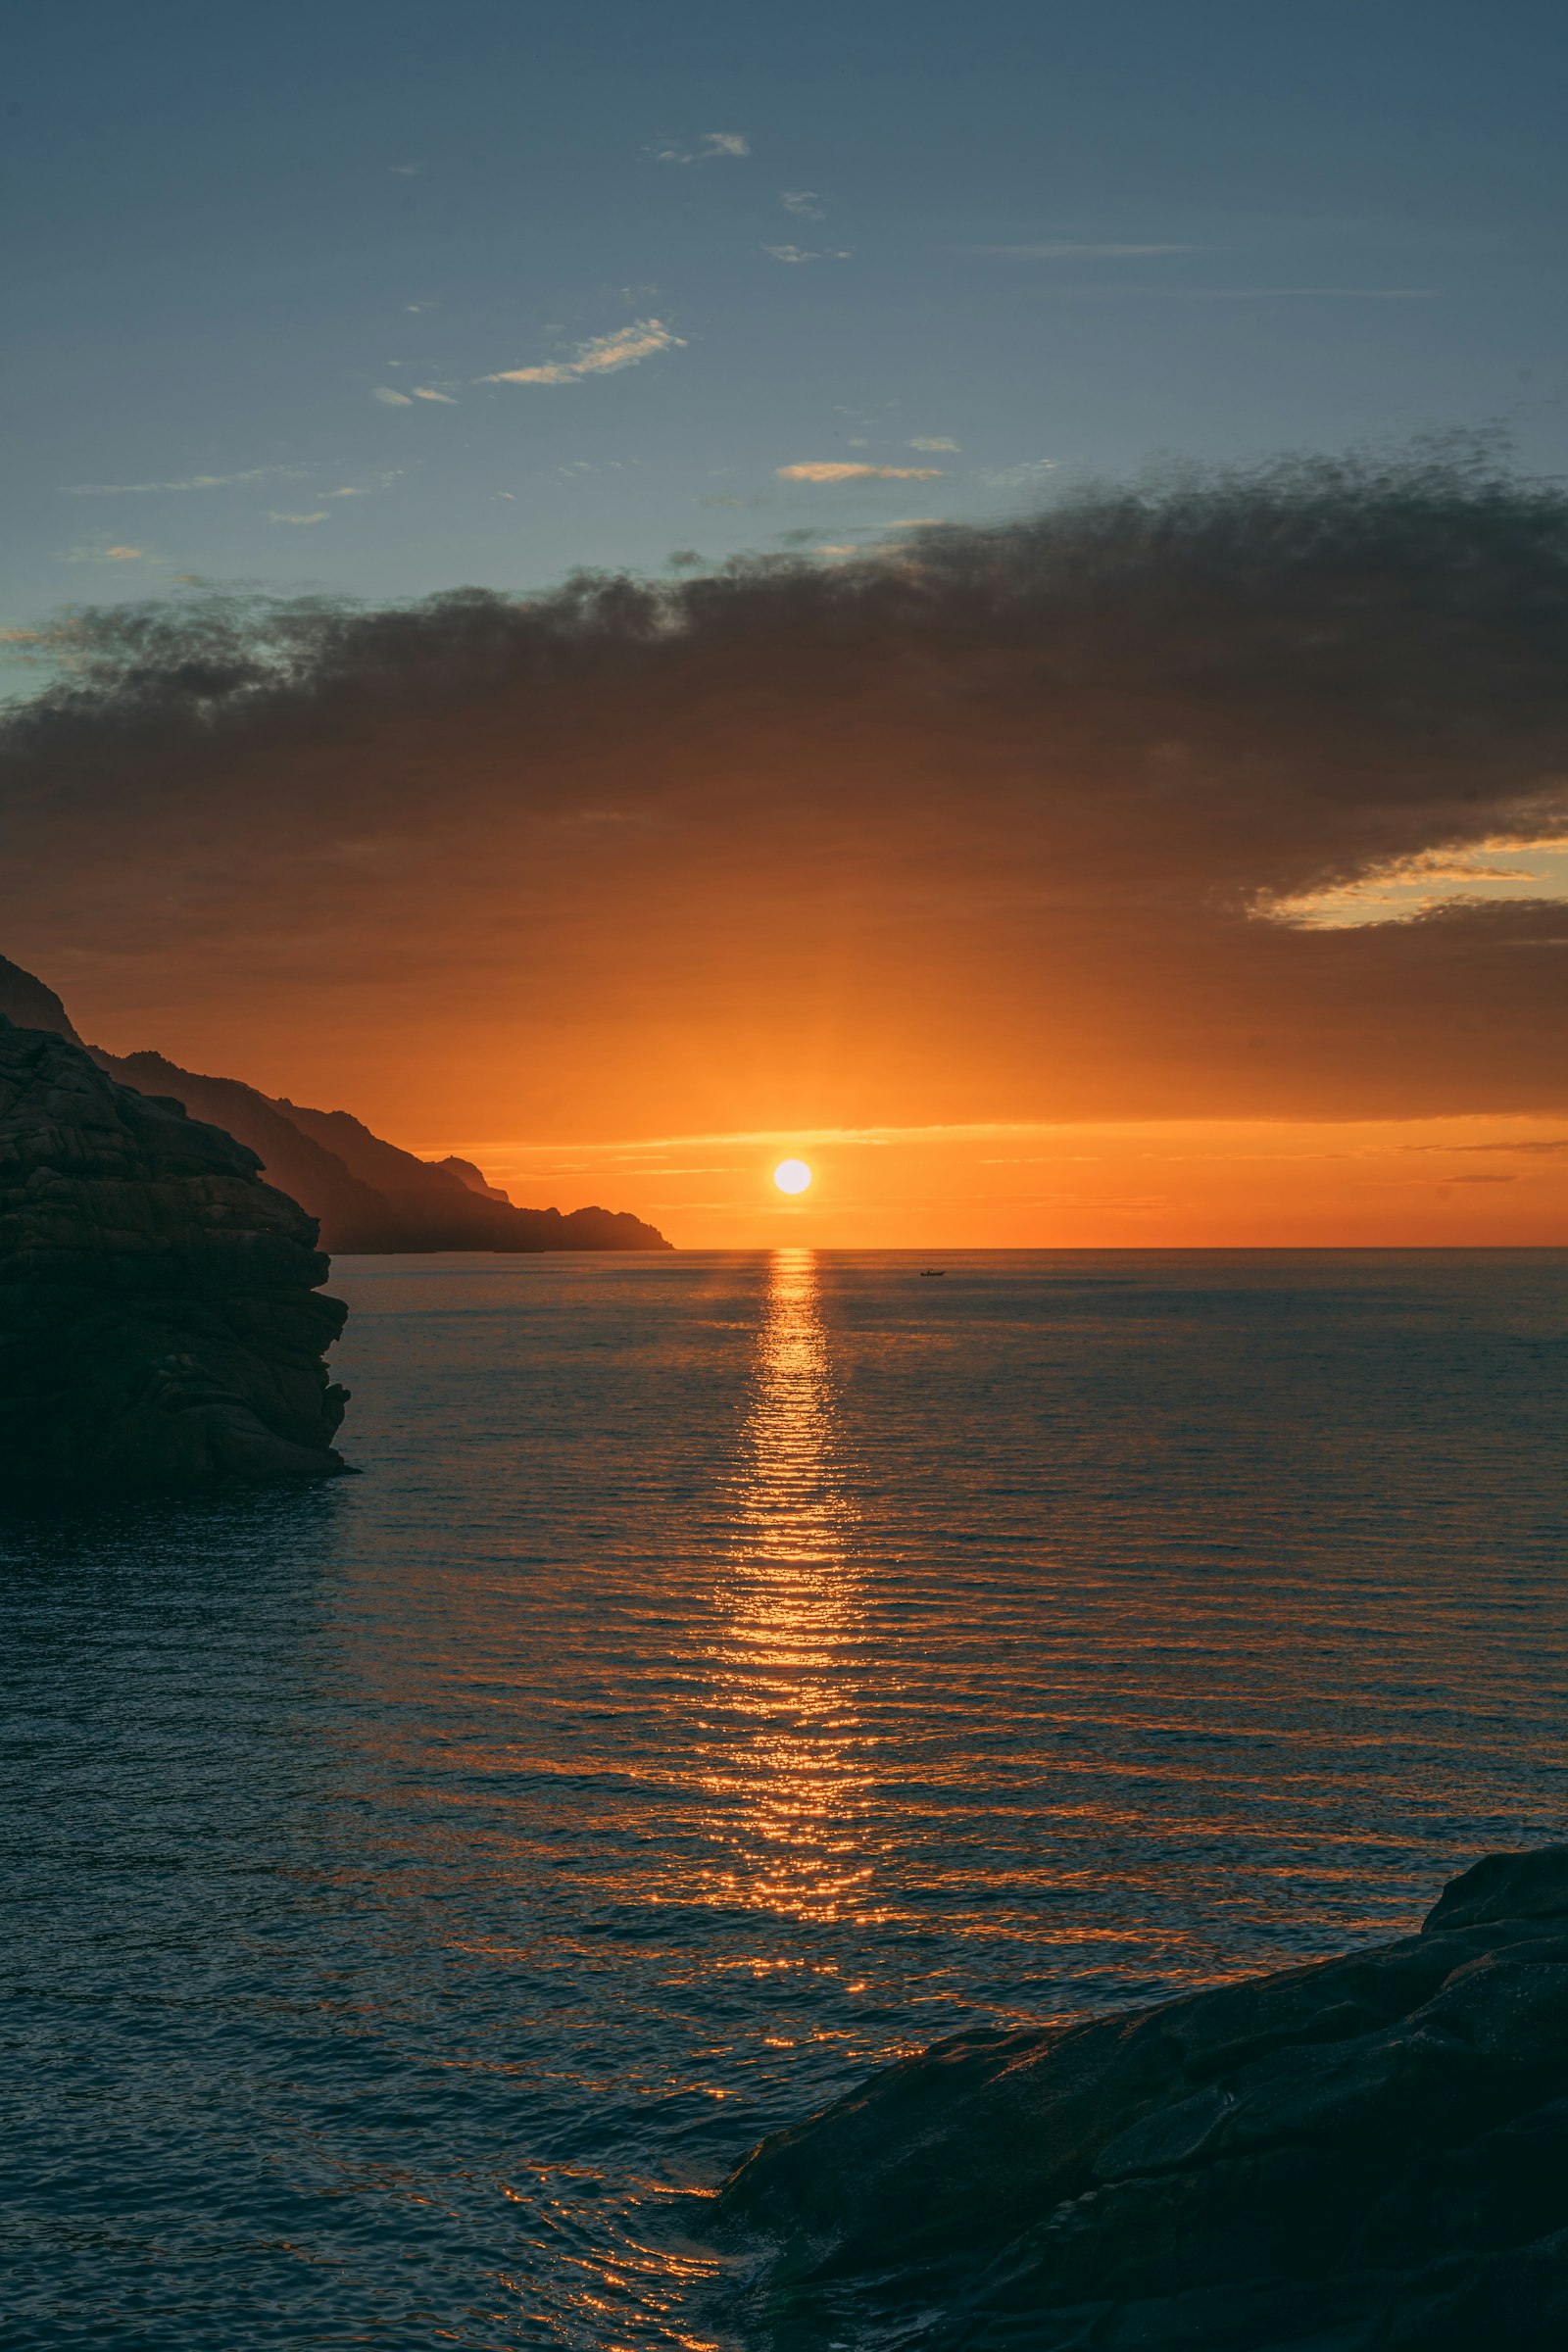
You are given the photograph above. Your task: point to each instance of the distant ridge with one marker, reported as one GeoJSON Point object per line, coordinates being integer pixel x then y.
{"type": "Point", "coordinates": [26, 1002]}
{"type": "Point", "coordinates": [474, 1178]}
{"type": "Point", "coordinates": [368, 1195]}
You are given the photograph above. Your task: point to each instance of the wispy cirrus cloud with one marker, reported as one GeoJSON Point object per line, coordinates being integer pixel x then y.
{"type": "Point", "coordinates": [1535, 1144]}
{"type": "Point", "coordinates": [710, 148]}
{"type": "Point", "coordinates": [430, 392]}
{"type": "Point", "coordinates": [192, 481]}
{"type": "Point", "coordinates": [817, 469]}
{"type": "Point", "coordinates": [1070, 291]}
{"type": "Point", "coordinates": [390, 399]}
{"type": "Point", "coordinates": [804, 203]}
{"type": "Point", "coordinates": [319, 515]}
{"type": "Point", "coordinates": [380, 482]}
{"type": "Point", "coordinates": [602, 354]}
{"type": "Point", "coordinates": [936, 441]}
{"type": "Point", "coordinates": [799, 253]}
{"type": "Point", "coordinates": [1020, 476]}
{"type": "Point", "coordinates": [1064, 249]}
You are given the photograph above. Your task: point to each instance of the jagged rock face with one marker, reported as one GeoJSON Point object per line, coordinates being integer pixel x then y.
{"type": "Point", "coordinates": [1370, 2152]}
{"type": "Point", "coordinates": [159, 1321]}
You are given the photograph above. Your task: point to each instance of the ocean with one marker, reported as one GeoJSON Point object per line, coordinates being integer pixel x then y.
{"type": "Point", "coordinates": [730, 1672]}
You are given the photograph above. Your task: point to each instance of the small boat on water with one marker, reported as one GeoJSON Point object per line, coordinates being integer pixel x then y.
{"type": "Point", "coordinates": [932, 1273]}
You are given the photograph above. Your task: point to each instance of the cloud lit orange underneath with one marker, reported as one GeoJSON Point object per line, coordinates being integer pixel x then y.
{"type": "Point", "coordinates": [1126, 862]}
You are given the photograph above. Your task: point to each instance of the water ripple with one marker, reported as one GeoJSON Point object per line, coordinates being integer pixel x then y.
{"type": "Point", "coordinates": [730, 1672]}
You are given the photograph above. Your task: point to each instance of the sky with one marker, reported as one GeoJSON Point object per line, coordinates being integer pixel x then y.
{"type": "Point", "coordinates": [1048, 885]}
{"type": "Point", "coordinates": [249, 249]}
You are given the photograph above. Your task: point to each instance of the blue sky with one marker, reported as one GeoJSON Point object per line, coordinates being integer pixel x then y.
{"type": "Point", "coordinates": [273, 269]}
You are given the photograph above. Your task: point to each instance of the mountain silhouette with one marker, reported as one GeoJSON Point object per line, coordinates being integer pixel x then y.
{"type": "Point", "coordinates": [26, 1002]}
{"type": "Point", "coordinates": [474, 1178]}
{"type": "Point", "coordinates": [367, 1194]}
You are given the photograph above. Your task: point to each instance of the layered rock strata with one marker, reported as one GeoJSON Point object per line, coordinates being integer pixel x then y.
{"type": "Point", "coordinates": [161, 1324]}
{"type": "Point", "coordinates": [1365, 2152]}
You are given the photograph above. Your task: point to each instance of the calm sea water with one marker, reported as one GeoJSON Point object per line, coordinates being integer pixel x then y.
{"type": "Point", "coordinates": [729, 1673]}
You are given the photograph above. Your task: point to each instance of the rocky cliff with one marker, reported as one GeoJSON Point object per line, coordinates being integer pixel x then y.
{"type": "Point", "coordinates": [159, 1320]}
{"type": "Point", "coordinates": [351, 1213]}
{"type": "Point", "coordinates": [1367, 2154]}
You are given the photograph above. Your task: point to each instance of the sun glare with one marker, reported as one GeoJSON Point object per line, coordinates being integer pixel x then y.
{"type": "Point", "coordinates": [792, 1175]}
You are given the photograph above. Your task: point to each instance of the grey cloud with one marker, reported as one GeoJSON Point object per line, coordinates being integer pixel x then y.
{"type": "Point", "coordinates": [1037, 783]}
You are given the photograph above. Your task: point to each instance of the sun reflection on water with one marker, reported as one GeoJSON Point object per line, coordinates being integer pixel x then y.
{"type": "Point", "coordinates": [794, 1767]}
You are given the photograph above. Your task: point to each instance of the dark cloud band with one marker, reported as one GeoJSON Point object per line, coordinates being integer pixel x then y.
{"type": "Point", "coordinates": [1018, 798]}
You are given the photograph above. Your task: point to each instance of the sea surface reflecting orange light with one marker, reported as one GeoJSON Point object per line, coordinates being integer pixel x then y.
{"type": "Point", "coordinates": [795, 1765]}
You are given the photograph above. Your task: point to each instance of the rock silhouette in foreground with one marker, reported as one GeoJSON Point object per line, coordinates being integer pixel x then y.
{"type": "Point", "coordinates": [159, 1321]}
{"type": "Point", "coordinates": [1364, 2152]}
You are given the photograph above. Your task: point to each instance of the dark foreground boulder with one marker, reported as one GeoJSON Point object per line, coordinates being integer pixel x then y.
{"type": "Point", "coordinates": [160, 1324]}
{"type": "Point", "coordinates": [1366, 2152]}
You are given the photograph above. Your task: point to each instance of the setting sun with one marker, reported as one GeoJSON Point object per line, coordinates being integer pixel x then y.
{"type": "Point", "coordinates": [792, 1175]}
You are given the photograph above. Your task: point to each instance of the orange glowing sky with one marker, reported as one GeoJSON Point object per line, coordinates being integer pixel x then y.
{"type": "Point", "coordinates": [1168, 1184]}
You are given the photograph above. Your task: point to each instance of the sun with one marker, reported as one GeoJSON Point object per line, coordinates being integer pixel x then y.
{"type": "Point", "coordinates": [792, 1175]}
